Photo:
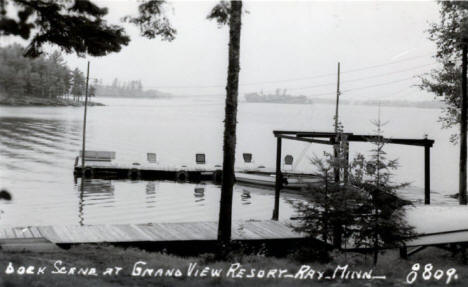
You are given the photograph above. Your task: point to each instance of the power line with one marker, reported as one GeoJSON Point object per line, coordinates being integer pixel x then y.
{"type": "Point", "coordinates": [307, 87]}
{"type": "Point", "coordinates": [390, 73]}
{"type": "Point", "coordinates": [363, 78]}
{"type": "Point", "coordinates": [311, 77]}
{"type": "Point", "coordinates": [334, 74]}
{"type": "Point", "coordinates": [379, 85]}
{"type": "Point", "coordinates": [383, 64]}
{"type": "Point", "coordinates": [358, 88]}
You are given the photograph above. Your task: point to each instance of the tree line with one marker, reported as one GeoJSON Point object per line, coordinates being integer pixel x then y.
{"type": "Point", "coordinates": [48, 76]}
{"type": "Point", "coordinates": [131, 89]}
{"type": "Point", "coordinates": [44, 76]}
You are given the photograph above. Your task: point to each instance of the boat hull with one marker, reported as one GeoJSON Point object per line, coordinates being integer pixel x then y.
{"type": "Point", "coordinates": [294, 181]}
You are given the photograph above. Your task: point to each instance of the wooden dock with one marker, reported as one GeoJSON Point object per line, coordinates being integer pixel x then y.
{"type": "Point", "coordinates": [108, 170]}
{"type": "Point", "coordinates": [103, 164]}
{"type": "Point", "coordinates": [155, 232]}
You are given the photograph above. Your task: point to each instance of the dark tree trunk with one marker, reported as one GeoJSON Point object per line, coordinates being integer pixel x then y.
{"type": "Point", "coordinates": [230, 122]}
{"type": "Point", "coordinates": [462, 183]}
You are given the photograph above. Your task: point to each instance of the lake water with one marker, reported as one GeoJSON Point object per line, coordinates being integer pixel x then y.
{"type": "Point", "coordinates": [38, 146]}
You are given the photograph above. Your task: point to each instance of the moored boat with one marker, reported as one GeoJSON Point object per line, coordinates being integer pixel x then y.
{"type": "Point", "coordinates": [290, 180]}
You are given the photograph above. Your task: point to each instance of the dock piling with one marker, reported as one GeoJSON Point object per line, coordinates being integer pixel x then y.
{"type": "Point", "coordinates": [279, 180]}
{"type": "Point", "coordinates": [427, 174]}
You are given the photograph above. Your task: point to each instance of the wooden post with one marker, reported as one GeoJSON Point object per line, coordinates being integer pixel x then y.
{"type": "Point", "coordinates": [427, 174]}
{"type": "Point", "coordinates": [337, 99]}
{"type": "Point", "coordinates": [84, 125]}
{"type": "Point", "coordinates": [403, 252]}
{"type": "Point", "coordinates": [463, 117]}
{"type": "Point", "coordinates": [279, 179]}
{"type": "Point", "coordinates": [346, 154]}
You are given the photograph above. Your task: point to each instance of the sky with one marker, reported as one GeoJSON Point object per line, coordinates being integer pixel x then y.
{"type": "Point", "coordinates": [293, 45]}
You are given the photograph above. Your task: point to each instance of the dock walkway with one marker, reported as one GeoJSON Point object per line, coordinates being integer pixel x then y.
{"type": "Point", "coordinates": [155, 232]}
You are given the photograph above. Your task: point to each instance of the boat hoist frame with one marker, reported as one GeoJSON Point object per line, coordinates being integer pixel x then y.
{"type": "Point", "coordinates": [333, 139]}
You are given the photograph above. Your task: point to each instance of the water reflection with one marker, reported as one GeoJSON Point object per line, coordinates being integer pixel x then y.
{"type": "Point", "coordinates": [93, 192]}
{"type": "Point", "coordinates": [245, 196]}
{"type": "Point", "coordinates": [151, 187]}
{"type": "Point", "coordinates": [199, 194]}
{"type": "Point", "coordinates": [125, 201]}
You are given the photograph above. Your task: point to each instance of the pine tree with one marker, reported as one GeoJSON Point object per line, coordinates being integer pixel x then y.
{"type": "Point", "coordinates": [329, 215]}
{"type": "Point", "coordinates": [78, 87]}
{"type": "Point", "coordinates": [364, 210]}
{"type": "Point", "coordinates": [75, 26]}
{"type": "Point", "coordinates": [381, 220]}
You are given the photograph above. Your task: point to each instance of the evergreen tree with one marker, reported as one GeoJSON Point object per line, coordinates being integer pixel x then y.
{"type": "Point", "coordinates": [39, 77]}
{"type": "Point", "coordinates": [445, 82]}
{"type": "Point", "coordinates": [329, 214]}
{"type": "Point", "coordinates": [364, 210]}
{"type": "Point", "coordinates": [451, 38]}
{"type": "Point", "coordinates": [74, 25]}
{"type": "Point", "coordinates": [380, 217]}
{"type": "Point", "coordinates": [78, 87]}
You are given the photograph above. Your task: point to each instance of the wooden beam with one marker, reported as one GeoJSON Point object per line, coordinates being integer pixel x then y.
{"type": "Point", "coordinates": [287, 132]}
{"type": "Point", "coordinates": [351, 137]}
{"type": "Point", "coordinates": [279, 179]}
{"type": "Point", "coordinates": [319, 134]}
{"type": "Point", "coordinates": [307, 134]}
{"type": "Point", "coordinates": [416, 250]}
{"type": "Point", "coordinates": [412, 142]}
{"type": "Point", "coordinates": [305, 139]}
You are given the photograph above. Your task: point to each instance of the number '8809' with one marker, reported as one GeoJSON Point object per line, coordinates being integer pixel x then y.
{"type": "Point", "coordinates": [428, 273]}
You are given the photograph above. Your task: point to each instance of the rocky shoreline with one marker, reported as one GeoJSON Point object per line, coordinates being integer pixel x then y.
{"type": "Point", "coordinates": [48, 102]}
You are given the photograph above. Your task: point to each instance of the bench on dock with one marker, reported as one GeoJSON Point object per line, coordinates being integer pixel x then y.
{"type": "Point", "coordinates": [91, 155]}
{"type": "Point", "coordinates": [200, 158]}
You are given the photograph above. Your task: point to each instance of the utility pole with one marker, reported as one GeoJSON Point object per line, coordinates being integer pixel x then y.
{"type": "Point", "coordinates": [463, 106]}
{"type": "Point", "coordinates": [84, 125]}
{"type": "Point", "coordinates": [336, 170]}
{"type": "Point", "coordinates": [337, 98]}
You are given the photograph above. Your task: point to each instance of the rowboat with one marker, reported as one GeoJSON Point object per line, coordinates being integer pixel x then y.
{"type": "Point", "coordinates": [290, 180]}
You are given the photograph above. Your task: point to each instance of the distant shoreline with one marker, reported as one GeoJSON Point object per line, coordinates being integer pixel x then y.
{"type": "Point", "coordinates": [45, 102]}
{"type": "Point", "coordinates": [405, 104]}
{"type": "Point", "coordinates": [135, 97]}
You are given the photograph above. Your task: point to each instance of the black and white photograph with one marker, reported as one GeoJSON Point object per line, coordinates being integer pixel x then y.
{"type": "Point", "coordinates": [233, 143]}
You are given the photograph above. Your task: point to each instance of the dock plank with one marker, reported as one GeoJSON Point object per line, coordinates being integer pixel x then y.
{"type": "Point", "coordinates": [3, 233]}
{"type": "Point", "coordinates": [10, 234]}
{"type": "Point", "coordinates": [35, 233]}
{"type": "Point", "coordinates": [154, 232]}
{"type": "Point", "coordinates": [26, 232]}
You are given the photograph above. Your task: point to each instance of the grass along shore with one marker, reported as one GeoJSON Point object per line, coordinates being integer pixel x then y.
{"type": "Point", "coordinates": [37, 101]}
{"type": "Point", "coordinates": [109, 258]}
